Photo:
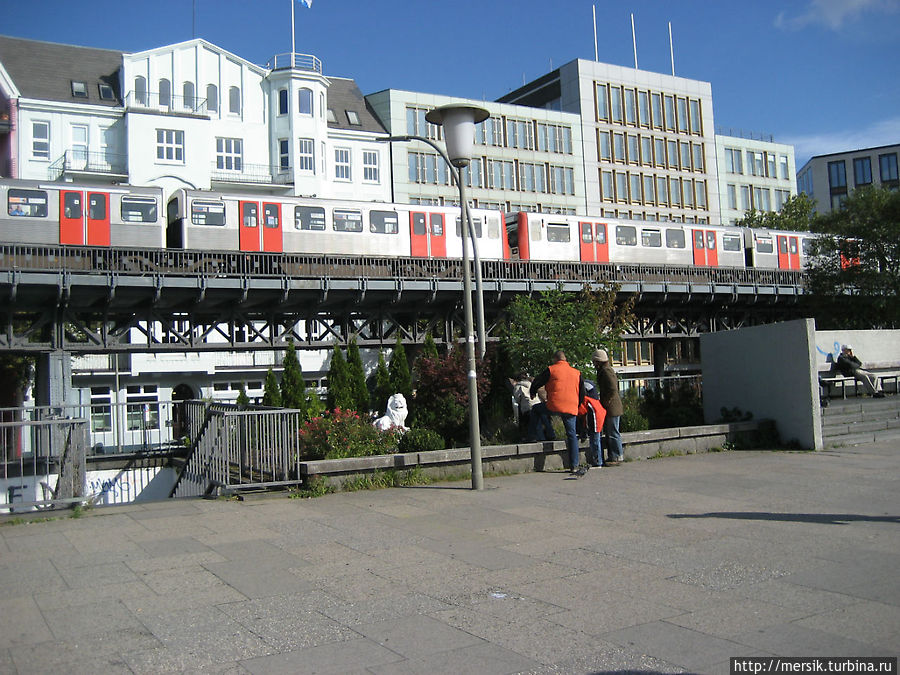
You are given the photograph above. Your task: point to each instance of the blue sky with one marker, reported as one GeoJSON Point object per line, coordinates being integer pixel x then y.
{"type": "Point", "coordinates": [823, 75]}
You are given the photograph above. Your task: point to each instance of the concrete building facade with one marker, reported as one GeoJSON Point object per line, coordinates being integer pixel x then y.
{"type": "Point", "coordinates": [829, 179]}
{"type": "Point", "coordinates": [753, 174]}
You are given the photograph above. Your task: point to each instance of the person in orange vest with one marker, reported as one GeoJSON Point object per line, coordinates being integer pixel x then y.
{"type": "Point", "coordinates": [592, 415]}
{"type": "Point", "coordinates": [565, 392]}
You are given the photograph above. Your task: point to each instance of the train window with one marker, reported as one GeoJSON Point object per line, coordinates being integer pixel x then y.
{"type": "Point", "coordinates": [674, 238]}
{"type": "Point", "coordinates": [476, 226]}
{"type": "Point", "coordinates": [601, 233]}
{"type": "Point", "coordinates": [27, 203]}
{"type": "Point", "coordinates": [72, 205]}
{"type": "Point", "coordinates": [96, 206]}
{"type": "Point", "coordinates": [437, 225]}
{"type": "Point", "coordinates": [651, 238]}
{"type": "Point", "coordinates": [764, 245]}
{"type": "Point", "coordinates": [271, 216]}
{"type": "Point", "coordinates": [207, 213]}
{"type": "Point", "coordinates": [139, 209]}
{"type": "Point", "coordinates": [793, 241]}
{"type": "Point", "coordinates": [347, 220]}
{"type": "Point", "coordinates": [587, 235]}
{"type": "Point", "coordinates": [384, 222]}
{"type": "Point", "coordinates": [418, 223]}
{"type": "Point", "coordinates": [806, 246]}
{"type": "Point", "coordinates": [698, 240]}
{"type": "Point", "coordinates": [731, 242]}
{"type": "Point", "coordinates": [626, 235]}
{"type": "Point", "coordinates": [711, 241]}
{"type": "Point", "coordinates": [309, 218]}
{"type": "Point", "coordinates": [782, 244]}
{"type": "Point", "coordinates": [249, 215]}
{"type": "Point", "coordinates": [558, 232]}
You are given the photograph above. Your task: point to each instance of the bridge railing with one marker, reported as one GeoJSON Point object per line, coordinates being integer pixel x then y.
{"type": "Point", "coordinates": [156, 262]}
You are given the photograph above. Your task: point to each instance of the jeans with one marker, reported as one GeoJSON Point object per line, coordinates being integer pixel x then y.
{"type": "Point", "coordinates": [540, 427]}
{"type": "Point", "coordinates": [571, 438]}
{"type": "Point", "coordinates": [613, 438]}
{"type": "Point", "coordinates": [595, 457]}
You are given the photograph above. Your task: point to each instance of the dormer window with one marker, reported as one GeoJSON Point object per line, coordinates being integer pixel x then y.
{"type": "Point", "coordinates": [331, 117]}
{"type": "Point", "coordinates": [353, 117]}
{"type": "Point", "coordinates": [79, 89]}
{"type": "Point", "coordinates": [106, 92]}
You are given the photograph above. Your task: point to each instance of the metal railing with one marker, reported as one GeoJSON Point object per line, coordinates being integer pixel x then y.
{"type": "Point", "coordinates": [82, 161]}
{"type": "Point", "coordinates": [241, 172]}
{"type": "Point", "coordinates": [44, 462]}
{"type": "Point", "coordinates": [152, 100]}
{"type": "Point", "coordinates": [240, 449]}
{"type": "Point", "coordinates": [299, 62]}
{"type": "Point", "coordinates": [667, 383]}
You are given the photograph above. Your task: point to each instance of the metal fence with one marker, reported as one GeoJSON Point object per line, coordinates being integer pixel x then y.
{"type": "Point", "coordinates": [235, 448]}
{"type": "Point", "coordinates": [44, 463]}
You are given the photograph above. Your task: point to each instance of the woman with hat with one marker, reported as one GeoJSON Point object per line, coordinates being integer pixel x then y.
{"type": "Point", "coordinates": [608, 390]}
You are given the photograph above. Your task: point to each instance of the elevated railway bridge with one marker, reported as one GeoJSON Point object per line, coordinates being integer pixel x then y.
{"type": "Point", "coordinates": [99, 300]}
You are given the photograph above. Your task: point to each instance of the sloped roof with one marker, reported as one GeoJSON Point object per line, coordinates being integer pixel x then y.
{"type": "Point", "coordinates": [344, 95]}
{"type": "Point", "coordinates": [46, 70]}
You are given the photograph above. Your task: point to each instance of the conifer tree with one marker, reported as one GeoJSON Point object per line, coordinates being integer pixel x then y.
{"type": "Point", "coordinates": [243, 401]}
{"type": "Point", "coordinates": [400, 379]}
{"type": "Point", "coordinates": [382, 390]}
{"type": "Point", "coordinates": [293, 386]}
{"type": "Point", "coordinates": [356, 374]}
{"type": "Point", "coordinates": [339, 394]}
{"type": "Point", "coordinates": [271, 391]}
{"type": "Point", "coordinates": [429, 349]}
{"type": "Point", "coordinates": [314, 405]}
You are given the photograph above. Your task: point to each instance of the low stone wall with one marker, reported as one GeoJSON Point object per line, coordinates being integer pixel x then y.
{"type": "Point", "coordinates": [524, 457]}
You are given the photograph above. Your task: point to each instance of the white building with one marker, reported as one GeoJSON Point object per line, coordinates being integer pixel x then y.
{"type": "Point", "coordinates": [828, 179]}
{"type": "Point", "coordinates": [753, 174]}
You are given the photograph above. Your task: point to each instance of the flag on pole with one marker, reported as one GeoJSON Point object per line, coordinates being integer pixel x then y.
{"type": "Point", "coordinates": [308, 3]}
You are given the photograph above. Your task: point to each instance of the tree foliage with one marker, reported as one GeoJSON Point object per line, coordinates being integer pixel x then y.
{"type": "Point", "coordinates": [398, 370]}
{"type": "Point", "coordinates": [293, 386]}
{"type": "Point", "coordinates": [271, 390]}
{"type": "Point", "coordinates": [854, 275]}
{"type": "Point", "coordinates": [339, 392]}
{"type": "Point", "coordinates": [356, 375]}
{"type": "Point", "coordinates": [796, 215]}
{"type": "Point", "coordinates": [577, 323]}
{"type": "Point", "coordinates": [381, 392]}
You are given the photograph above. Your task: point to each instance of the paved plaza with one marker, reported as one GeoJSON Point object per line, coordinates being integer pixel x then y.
{"type": "Point", "coordinates": [666, 565]}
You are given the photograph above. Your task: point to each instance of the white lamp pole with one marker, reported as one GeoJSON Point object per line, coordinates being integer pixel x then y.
{"type": "Point", "coordinates": [459, 123]}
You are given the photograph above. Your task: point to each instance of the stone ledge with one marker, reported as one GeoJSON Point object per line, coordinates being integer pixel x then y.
{"type": "Point", "coordinates": [538, 456]}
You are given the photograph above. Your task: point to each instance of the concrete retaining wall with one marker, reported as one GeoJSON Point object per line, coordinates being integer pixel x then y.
{"type": "Point", "coordinates": [546, 456]}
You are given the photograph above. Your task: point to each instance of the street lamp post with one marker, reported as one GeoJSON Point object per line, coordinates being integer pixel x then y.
{"type": "Point", "coordinates": [458, 122]}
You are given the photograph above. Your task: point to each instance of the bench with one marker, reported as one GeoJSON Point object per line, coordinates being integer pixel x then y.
{"type": "Point", "coordinates": [831, 379]}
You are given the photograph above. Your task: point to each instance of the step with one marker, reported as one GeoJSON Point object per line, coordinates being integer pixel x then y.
{"type": "Point", "coordinates": [829, 430]}
{"type": "Point", "coordinates": [857, 439]}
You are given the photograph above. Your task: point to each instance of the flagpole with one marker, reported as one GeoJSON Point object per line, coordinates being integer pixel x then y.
{"type": "Point", "coordinates": [293, 47]}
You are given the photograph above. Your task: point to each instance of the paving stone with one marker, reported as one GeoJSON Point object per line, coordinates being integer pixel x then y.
{"type": "Point", "coordinates": [417, 636]}
{"type": "Point", "coordinates": [351, 656]}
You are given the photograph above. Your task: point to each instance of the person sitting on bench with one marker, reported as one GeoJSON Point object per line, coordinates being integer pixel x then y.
{"type": "Point", "coordinates": [850, 366]}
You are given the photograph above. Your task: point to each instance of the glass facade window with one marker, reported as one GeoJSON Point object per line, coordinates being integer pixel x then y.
{"type": "Point", "coordinates": [630, 107]}
{"type": "Point", "coordinates": [305, 104]}
{"type": "Point", "coordinates": [616, 103]}
{"type": "Point", "coordinates": [888, 166]}
{"type": "Point", "coordinates": [862, 171]}
{"type": "Point", "coordinates": [646, 150]}
{"type": "Point", "coordinates": [284, 154]}
{"type": "Point", "coordinates": [370, 166]}
{"type": "Point", "coordinates": [170, 145]}
{"type": "Point", "coordinates": [783, 167]}
{"type": "Point", "coordinates": [342, 164]}
{"type": "Point", "coordinates": [306, 155]}
{"type": "Point", "coordinates": [644, 108]}
{"type": "Point", "coordinates": [40, 140]}
{"type": "Point", "coordinates": [603, 148]}
{"type": "Point", "coordinates": [282, 101]}
{"type": "Point", "coordinates": [696, 121]}
{"type": "Point", "coordinates": [837, 174]}
{"type": "Point", "coordinates": [602, 103]}
{"type": "Point", "coordinates": [234, 100]}
{"type": "Point", "coordinates": [657, 110]}
{"type": "Point", "coordinates": [229, 154]}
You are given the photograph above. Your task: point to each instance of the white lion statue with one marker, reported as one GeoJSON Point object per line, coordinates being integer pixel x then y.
{"type": "Point", "coordinates": [395, 415]}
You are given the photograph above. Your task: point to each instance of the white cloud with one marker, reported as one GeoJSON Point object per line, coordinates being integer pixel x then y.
{"type": "Point", "coordinates": [884, 132]}
{"type": "Point", "coordinates": [834, 14]}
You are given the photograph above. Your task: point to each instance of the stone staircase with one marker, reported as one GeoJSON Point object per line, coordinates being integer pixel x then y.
{"type": "Point", "coordinates": [861, 420]}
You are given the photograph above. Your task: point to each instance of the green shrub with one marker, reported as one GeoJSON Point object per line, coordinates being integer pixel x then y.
{"type": "Point", "coordinates": [421, 440]}
{"type": "Point", "coordinates": [632, 419]}
{"type": "Point", "coordinates": [343, 433]}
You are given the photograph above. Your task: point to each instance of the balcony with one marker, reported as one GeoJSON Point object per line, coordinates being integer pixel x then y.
{"type": "Point", "coordinates": [166, 104]}
{"type": "Point", "coordinates": [300, 62]}
{"type": "Point", "coordinates": [242, 173]}
{"type": "Point", "coordinates": [83, 164]}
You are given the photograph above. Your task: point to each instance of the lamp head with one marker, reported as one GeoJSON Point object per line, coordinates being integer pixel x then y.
{"type": "Point", "coordinates": [459, 129]}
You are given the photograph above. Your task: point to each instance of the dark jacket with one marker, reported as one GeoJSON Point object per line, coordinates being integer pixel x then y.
{"type": "Point", "coordinates": [608, 389]}
{"type": "Point", "coordinates": [847, 365]}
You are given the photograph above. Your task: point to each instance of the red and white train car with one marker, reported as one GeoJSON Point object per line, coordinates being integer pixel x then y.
{"type": "Point", "coordinates": [216, 221]}
{"type": "Point", "coordinates": [81, 215]}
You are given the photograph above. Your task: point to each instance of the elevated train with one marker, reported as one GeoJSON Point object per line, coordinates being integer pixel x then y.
{"type": "Point", "coordinates": [35, 212]}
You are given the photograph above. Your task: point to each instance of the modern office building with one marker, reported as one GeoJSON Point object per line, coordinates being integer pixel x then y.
{"type": "Point", "coordinates": [753, 174]}
{"type": "Point", "coordinates": [828, 179]}
{"type": "Point", "coordinates": [525, 159]}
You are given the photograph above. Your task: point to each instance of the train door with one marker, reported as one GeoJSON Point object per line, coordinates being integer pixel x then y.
{"type": "Point", "coordinates": [788, 252]}
{"type": "Point", "coordinates": [83, 226]}
{"type": "Point", "coordinates": [706, 251]}
{"type": "Point", "coordinates": [594, 244]}
{"type": "Point", "coordinates": [249, 235]}
{"type": "Point", "coordinates": [271, 232]}
{"type": "Point", "coordinates": [427, 235]}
